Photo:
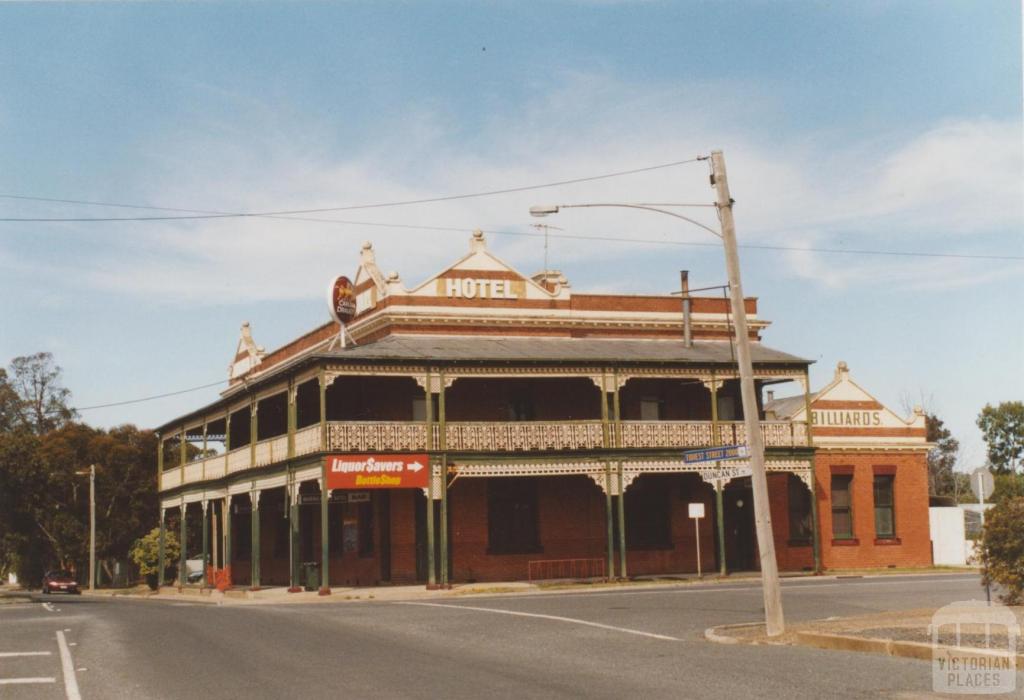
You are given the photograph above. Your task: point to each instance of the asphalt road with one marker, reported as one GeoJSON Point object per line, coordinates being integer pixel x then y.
{"type": "Point", "coordinates": [632, 643]}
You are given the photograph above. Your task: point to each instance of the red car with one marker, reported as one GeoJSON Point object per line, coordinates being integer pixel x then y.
{"type": "Point", "coordinates": [60, 581]}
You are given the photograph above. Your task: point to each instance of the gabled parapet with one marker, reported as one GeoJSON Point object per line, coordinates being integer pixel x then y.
{"type": "Point", "coordinates": [846, 416]}
{"type": "Point", "coordinates": [248, 355]}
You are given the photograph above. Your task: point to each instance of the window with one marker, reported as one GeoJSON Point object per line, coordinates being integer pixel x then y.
{"type": "Point", "coordinates": [650, 408]}
{"type": "Point", "coordinates": [240, 429]}
{"type": "Point", "coordinates": [842, 511]}
{"type": "Point", "coordinates": [885, 523]}
{"type": "Point", "coordinates": [648, 514]}
{"type": "Point", "coordinates": [726, 407]}
{"type": "Point", "coordinates": [800, 521]}
{"type": "Point", "coordinates": [512, 516]}
{"type": "Point", "coordinates": [520, 408]}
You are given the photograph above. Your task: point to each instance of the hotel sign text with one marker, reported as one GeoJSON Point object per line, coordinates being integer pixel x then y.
{"type": "Point", "coordinates": [475, 288]}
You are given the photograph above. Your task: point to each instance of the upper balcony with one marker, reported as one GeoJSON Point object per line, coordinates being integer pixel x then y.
{"type": "Point", "coordinates": [481, 437]}
{"type": "Point", "coordinates": [489, 416]}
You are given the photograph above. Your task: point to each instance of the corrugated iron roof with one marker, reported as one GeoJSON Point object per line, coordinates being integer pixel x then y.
{"type": "Point", "coordinates": [502, 349]}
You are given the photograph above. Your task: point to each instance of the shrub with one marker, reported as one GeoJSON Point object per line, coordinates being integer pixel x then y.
{"type": "Point", "coordinates": [1002, 548]}
{"type": "Point", "coordinates": [146, 551]}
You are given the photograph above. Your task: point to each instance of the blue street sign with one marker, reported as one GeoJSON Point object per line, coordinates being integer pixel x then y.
{"type": "Point", "coordinates": [716, 454]}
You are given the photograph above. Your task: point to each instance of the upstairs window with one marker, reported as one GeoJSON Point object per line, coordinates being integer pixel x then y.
{"type": "Point", "coordinates": [650, 408]}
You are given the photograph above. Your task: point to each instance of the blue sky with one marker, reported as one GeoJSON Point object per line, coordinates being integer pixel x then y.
{"type": "Point", "coordinates": [868, 125]}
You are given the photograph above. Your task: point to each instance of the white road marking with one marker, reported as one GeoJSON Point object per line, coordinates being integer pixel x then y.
{"type": "Point", "coordinates": [48, 607]}
{"type": "Point", "coordinates": [14, 681]}
{"type": "Point", "coordinates": [556, 618]}
{"type": "Point", "coordinates": [70, 682]}
{"type": "Point", "coordinates": [24, 653]}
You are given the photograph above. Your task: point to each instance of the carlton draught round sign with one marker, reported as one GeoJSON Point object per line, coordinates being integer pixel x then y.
{"type": "Point", "coordinates": [341, 299]}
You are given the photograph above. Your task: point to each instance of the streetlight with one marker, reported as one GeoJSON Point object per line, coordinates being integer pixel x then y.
{"type": "Point", "coordinates": [92, 524]}
{"type": "Point", "coordinates": [774, 622]}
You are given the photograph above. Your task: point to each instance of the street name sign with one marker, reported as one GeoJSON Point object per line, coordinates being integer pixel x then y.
{"type": "Point", "coordinates": [377, 471]}
{"type": "Point", "coordinates": [716, 454]}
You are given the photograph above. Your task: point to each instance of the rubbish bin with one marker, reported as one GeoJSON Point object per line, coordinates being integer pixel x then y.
{"type": "Point", "coordinates": [311, 575]}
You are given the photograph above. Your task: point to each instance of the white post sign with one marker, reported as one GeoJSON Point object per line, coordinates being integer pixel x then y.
{"type": "Point", "coordinates": [697, 512]}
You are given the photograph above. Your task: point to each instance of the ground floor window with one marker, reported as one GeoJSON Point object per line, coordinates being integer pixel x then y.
{"type": "Point", "coordinates": [350, 526]}
{"type": "Point", "coordinates": [842, 510]}
{"type": "Point", "coordinates": [800, 521]}
{"type": "Point", "coordinates": [885, 522]}
{"type": "Point", "coordinates": [512, 516]}
{"type": "Point", "coordinates": [649, 514]}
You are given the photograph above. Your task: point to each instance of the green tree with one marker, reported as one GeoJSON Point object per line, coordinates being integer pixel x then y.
{"type": "Point", "coordinates": [1002, 549]}
{"type": "Point", "coordinates": [942, 459]}
{"type": "Point", "coordinates": [43, 401]}
{"type": "Point", "coordinates": [1003, 429]}
{"type": "Point", "coordinates": [10, 404]}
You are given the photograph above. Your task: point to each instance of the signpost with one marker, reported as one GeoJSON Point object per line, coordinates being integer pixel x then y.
{"type": "Point", "coordinates": [341, 300]}
{"type": "Point", "coordinates": [983, 485]}
{"type": "Point", "coordinates": [378, 471]}
{"type": "Point", "coordinates": [697, 512]}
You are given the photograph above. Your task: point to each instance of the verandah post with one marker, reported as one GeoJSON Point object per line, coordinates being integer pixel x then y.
{"type": "Point", "coordinates": [442, 445]}
{"type": "Point", "coordinates": [606, 442]}
{"type": "Point", "coordinates": [206, 541]}
{"type": "Point", "coordinates": [723, 568]}
{"type": "Point", "coordinates": [294, 585]}
{"type": "Point", "coordinates": [617, 416]}
{"type": "Point", "coordinates": [429, 411]}
{"type": "Point", "coordinates": [254, 551]}
{"type": "Point", "coordinates": [226, 514]}
{"type": "Point", "coordinates": [182, 552]}
{"type": "Point", "coordinates": [815, 525]}
{"type": "Point", "coordinates": [161, 549]}
{"type": "Point", "coordinates": [325, 552]}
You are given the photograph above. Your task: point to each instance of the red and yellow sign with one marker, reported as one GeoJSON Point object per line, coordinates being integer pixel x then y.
{"type": "Point", "coordinates": [377, 471]}
{"type": "Point", "coordinates": [341, 298]}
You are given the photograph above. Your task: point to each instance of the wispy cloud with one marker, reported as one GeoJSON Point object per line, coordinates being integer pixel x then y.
{"type": "Point", "coordinates": [944, 187]}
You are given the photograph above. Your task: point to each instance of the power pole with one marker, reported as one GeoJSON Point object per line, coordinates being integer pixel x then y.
{"type": "Point", "coordinates": [774, 621]}
{"type": "Point", "coordinates": [92, 527]}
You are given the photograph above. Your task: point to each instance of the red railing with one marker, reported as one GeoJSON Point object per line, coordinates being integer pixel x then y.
{"type": "Point", "coordinates": [548, 569]}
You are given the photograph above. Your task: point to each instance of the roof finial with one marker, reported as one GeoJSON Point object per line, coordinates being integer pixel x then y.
{"type": "Point", "coordinates": [477, 243]}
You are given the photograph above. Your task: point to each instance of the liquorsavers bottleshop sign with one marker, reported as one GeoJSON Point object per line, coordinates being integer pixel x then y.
{"type": "Point", "coordinates": [377, 471]}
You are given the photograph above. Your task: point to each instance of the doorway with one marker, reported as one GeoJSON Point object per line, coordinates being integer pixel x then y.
{"type": "Point", "coordinates": [740, 533]}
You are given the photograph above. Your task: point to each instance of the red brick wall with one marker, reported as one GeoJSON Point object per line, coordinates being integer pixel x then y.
{"type": "Point", "coordinates": [912, 546]}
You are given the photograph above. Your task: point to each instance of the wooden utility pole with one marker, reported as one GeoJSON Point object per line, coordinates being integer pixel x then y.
{"type": "Point", "coordinates": [774, 621]}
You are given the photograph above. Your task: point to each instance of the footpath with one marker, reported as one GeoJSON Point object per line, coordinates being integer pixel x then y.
{"type": "Point", "coordinates": [918, 634]}
{"type": "Point", "coordinates": [280, 595]}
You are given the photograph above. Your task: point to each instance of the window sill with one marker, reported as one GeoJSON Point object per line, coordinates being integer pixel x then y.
{"type": "Point", "coordinates": [888, 540]}
{"type": "Point", "coordinates": [845, 542]}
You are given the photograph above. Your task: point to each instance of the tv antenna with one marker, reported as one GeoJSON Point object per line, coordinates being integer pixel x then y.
{"type": "Point", "coordinates": [545, 228]}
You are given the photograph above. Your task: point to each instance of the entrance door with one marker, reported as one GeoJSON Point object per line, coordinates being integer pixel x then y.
{"type": "Point", "coordinates": [740, 532]}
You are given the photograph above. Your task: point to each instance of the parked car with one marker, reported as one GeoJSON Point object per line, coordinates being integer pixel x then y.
{"type": "Point", "coordinates": [60, 581]}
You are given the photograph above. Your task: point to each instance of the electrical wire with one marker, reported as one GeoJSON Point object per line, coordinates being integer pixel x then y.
{"type": "Point", "coordinates": [206, 214]}
{"type": "Point", "coordinates": [149, 398]}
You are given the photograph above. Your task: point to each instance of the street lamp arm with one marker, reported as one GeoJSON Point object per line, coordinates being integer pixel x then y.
{"type": "Point", "coordinates": [631, 206]}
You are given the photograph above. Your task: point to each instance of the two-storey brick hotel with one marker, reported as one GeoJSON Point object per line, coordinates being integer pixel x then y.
{"type": "Point", "coordinates": [486, 425]}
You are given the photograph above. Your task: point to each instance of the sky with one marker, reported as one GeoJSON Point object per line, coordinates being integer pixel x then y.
{"type": "Point", "coordinates": [867, 126]}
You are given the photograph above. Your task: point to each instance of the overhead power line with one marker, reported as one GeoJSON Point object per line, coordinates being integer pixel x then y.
{"type": "Point", "coordinates": [207, 214]}
{"type": "Point", "coordinates": [149, 398]}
